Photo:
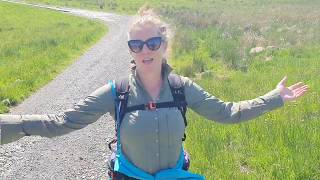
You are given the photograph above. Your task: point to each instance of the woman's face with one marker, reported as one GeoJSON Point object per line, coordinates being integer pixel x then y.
{"type": "Point", "coordinates": [147, 60]}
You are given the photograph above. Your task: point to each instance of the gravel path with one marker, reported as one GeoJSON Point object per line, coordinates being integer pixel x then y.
{"type": "Point", "coordinates": [81, 154]}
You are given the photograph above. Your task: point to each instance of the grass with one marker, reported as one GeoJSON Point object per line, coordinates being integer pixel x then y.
{"type": "Point", "coordinates": [280, 145]}
{"type": "Point", "coordinates": [213, 49]}
{"type": "Point", "coordinates": [212, 44]}
{"type": "Point", "coordinates": [36, 45]}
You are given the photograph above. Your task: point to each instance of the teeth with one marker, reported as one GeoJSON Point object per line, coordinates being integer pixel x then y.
{"type": "Point", "coordinates": [147, 60]}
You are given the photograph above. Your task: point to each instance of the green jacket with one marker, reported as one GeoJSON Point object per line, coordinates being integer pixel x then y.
{"type": "Point", "coordinates": [150, 139]}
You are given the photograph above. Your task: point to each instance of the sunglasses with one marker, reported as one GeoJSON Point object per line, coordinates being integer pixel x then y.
{"type": "Point", "coordinates": [153, 44]}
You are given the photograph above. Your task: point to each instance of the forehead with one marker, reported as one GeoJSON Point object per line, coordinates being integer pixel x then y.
{"type": "Point", "coordinates": [144, 31]}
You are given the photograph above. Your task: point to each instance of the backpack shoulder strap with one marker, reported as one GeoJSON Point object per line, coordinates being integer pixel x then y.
{"type": "Point", "coordinates": [177, 91]}
{"type": "Point", "coordinates": [175, 81]}
{"type": "Point", "coordinates": [122, 88]}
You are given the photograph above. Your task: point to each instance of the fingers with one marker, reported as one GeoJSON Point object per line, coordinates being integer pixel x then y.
{"type": "Point", "coordinates": [301, 91]}
{"type": "Point", "coordinates": [297, 85]}
{"type": "Point", "coordinates": [304, 87]}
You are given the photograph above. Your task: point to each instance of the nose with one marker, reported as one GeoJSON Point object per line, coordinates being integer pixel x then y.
{"type": "Point", "coordinates": [145, 49]}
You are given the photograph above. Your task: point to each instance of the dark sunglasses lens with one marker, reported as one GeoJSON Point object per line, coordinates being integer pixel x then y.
{"type": "Point", "coordinates": [154, 43]}
{"type": "Point", "coordinates": [135, 45]}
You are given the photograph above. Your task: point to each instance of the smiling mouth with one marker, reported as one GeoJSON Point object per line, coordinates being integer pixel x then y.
{"type": "Point", "coordinates": [147, 61]}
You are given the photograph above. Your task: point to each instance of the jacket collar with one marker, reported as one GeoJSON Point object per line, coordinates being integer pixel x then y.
{"type": "Point", "coordinates": [165, 71]}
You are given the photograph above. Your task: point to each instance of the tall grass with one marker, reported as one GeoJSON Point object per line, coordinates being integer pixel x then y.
{"type": "Point", "coordinates": [36, 45]}
{"type": "Point", "coordinates": [279, 145]}
{"type": "Point", "coordinates": [284, 144]}
{"type": "Point", "coordinates": [212, 44]}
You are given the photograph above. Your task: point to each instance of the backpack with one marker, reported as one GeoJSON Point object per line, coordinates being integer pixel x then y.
{"type": "Point", "coordinates": [121, 90]}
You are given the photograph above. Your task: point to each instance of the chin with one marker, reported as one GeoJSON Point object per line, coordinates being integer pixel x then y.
{"type": "Point", "coordinates": [149, 68]}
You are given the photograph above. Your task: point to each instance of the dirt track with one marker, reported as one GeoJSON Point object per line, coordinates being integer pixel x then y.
{"type": "Point", "coordinates": [83, 153]}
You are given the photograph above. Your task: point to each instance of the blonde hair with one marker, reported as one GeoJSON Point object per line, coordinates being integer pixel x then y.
{"type": "Point", "coordinates": [147, 15]}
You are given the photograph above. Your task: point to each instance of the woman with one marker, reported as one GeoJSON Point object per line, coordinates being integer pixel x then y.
{"type": "Point", "coordinates": [150, 140]}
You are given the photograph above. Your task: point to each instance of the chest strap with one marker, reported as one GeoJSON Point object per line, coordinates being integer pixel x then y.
{"type": "Point", "coordinates": [153, 106]}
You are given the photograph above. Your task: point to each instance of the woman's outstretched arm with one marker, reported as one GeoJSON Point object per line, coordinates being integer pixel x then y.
{"type": "Point", "coordinates": [87, 111]}
{"type": "Point", "coordinates": [233, 112]}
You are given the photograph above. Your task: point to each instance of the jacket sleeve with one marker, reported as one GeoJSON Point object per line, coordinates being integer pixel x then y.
{"type": "Point", "coordinates": [87, 111]}
{"type": "Point", "coordinates": [229, 112]}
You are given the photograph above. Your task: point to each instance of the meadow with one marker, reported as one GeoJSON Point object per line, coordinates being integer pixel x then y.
{"type": "Point", "coordinates": [36, 45]}
{"type": "Point", "coordinates": [212, 44]}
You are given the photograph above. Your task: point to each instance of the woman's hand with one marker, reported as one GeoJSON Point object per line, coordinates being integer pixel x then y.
{"type": "Point", "coordinates": [293, 92]}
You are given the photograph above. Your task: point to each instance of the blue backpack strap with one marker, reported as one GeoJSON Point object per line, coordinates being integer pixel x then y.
{"type": "Point", "coordinates": [120, 90]}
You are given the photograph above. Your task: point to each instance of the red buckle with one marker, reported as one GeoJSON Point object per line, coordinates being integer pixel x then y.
{"type": "Point", "coordinates": [151, 105]}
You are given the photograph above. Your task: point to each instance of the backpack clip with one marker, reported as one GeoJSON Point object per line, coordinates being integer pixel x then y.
{"type": "Point", "coordinates": [151, 106]}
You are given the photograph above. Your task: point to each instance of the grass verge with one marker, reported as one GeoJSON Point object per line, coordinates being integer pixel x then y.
{"type": "Point", "coordinates": [36, 45]}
